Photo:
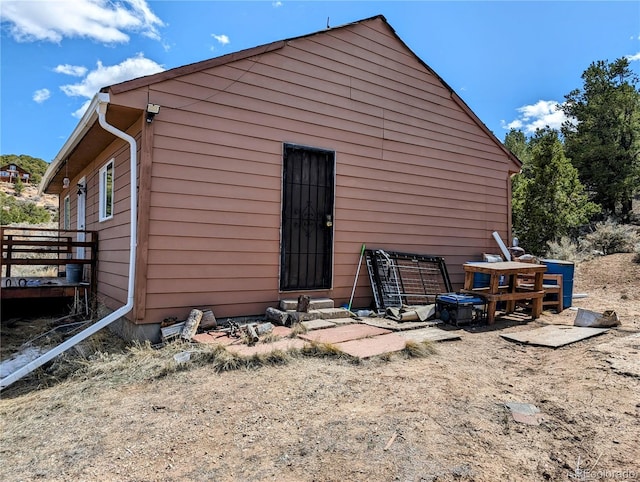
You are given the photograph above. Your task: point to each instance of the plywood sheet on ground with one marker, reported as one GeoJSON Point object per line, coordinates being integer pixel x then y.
{"type": "Point", "coordinates": [429, 334]}
{"type": "Point", "coordinates": [343, 333]}
{"type": "Point", "coordinates": [554, 336]}
{"type": "Point", "coordinates": [376, 345]}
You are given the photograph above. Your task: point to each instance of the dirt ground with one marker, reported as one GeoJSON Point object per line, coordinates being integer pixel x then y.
{"type": "Point", "coordinates": [440, 417]}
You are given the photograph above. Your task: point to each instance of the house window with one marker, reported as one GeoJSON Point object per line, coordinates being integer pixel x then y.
{"type": "Point", "coordinates": [67, 213]}
{"type": "Point", "coordinates": [107, 179]}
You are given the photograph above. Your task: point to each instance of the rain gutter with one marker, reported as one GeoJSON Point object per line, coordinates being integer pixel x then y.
{"type": "Point", "coordinates": [102, 101]}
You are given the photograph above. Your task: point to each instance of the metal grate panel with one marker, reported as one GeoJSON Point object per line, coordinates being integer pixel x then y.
{"type": "Point", "coordinates": [405, 279]}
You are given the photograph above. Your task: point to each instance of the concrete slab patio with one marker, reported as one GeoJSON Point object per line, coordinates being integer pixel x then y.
{"type": "Point", "coordinates": [343, 333]}
{"type": "Point", "coordinates": [429, 334]}
{"type": "Point", "coordinates": [358, 339]}
{"type": "Point", "coordinates": [375, 345]}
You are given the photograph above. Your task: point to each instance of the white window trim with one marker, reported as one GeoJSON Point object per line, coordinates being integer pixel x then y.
{"type": "Point", "coordinates": [103, 190]}
{"type": "Point", "coordinates": [66, 213]}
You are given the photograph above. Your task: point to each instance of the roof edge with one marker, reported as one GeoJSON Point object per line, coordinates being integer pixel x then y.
{"type": "Point", "coordinates": [191, 68]}
{"type": "Point", "coordinates": [457, 99]}
{"type": "Point", "coordinates": [216, 61]}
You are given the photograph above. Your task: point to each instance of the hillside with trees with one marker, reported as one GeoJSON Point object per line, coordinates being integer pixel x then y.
{"type": "Point", "coordinates": [34, 165]}
{"type": "Point", "coordinates": [19, 202]}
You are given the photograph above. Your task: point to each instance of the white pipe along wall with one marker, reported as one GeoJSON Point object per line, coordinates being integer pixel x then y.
{"type": "Point", "coordinates": [103, 102]}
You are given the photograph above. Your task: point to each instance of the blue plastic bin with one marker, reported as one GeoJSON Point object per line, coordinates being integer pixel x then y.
{"type": "Point", "coordinates": [566, 269]}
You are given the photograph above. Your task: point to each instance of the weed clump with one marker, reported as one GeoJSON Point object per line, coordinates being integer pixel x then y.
{"type": "Point", "coordinates": [610, 237]}
{"type": "Point", "coordinates": [565, 249]}
{"type": "Point", "coordinates": [423, 349]}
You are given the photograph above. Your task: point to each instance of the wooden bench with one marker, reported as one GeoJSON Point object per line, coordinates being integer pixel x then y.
{"type": "Point", "coordinates": [552, 286]}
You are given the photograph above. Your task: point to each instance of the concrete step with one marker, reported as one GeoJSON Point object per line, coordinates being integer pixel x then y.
{"type": "Point", "coordinates": [330, 313]}
{"type": "Point", "coordinates": [314, 304]}
{"type": "Point", "coordinates": [321, 314]}
{"type": "Point", "coordinates": [341, 321]}
{"type": "Point", "coordinates": [317, 324]}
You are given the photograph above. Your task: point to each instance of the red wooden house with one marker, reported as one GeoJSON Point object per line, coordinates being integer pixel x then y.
{"type": "Point", "coordinates": [261, 173]}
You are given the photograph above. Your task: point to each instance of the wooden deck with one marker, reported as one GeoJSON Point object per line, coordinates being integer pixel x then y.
{"type": "Point", "coordinates": [39, 287]}
{"type": "Point", "coordinates": [25, 249]}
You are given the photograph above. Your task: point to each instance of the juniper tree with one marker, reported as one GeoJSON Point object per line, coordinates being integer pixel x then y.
{"type": "Point", "coordinates": [549, 200]}
{"type": "Point", "coordinates": [603, 136]}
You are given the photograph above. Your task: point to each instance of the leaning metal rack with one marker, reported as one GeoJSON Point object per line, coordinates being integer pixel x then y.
{"type": "Point", "coordinates": [399, 279]}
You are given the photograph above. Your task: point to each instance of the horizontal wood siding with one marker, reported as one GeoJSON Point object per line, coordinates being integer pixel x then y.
{"type": "Point", "coordinates": [414, 172]}
{"type": "Point", "coordinates": [113, 234]}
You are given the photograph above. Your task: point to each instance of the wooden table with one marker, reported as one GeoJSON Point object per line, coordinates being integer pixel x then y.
{"type": "Point", "coordinates": [509, 291]}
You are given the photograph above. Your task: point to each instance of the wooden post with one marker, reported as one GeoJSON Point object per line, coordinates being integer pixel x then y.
{"type": "Point", "coordinates": [278, 317]}
{"type": "Point", "coordinates": [9, 246]}
{"type": "Point", "coordinates": [191, 325]}
{"type": "Point", "coordinates": [303, 303]}
{"type": "Point", "coordinates": [536, 303]}
{"type": "Point", "coordinates": [252, 335]}
{"type": "Point", "coordinates": [94, 272]}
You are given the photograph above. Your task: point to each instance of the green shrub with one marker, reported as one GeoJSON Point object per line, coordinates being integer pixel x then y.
{"type": "Point", "coordinates": [566, 249]}
{"type": "Point", "coordinates": [18, 187]}
{"type": "Point", "coordinates": [13, 211]}
{"type": "Point", "coordinates": [610, 237]}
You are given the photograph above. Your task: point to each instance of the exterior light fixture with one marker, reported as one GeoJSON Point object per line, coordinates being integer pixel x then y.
{"type": "Point", "coordinates": [65, 181]}
{"type": "Point", "coordinates": [152, 110]}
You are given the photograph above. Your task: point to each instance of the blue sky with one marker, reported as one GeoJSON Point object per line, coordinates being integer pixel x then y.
{"type": "Point", "coordinates": [511, 61]}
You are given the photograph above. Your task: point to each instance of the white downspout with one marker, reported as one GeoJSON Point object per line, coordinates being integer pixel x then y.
{"type": "Point", "coordinates": [101, 109]}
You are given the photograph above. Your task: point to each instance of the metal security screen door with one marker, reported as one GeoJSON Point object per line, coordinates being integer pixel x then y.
{"type": "Point", "coordinates": [307, 218]}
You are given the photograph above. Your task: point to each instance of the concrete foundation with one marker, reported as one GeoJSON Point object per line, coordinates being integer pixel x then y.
{"type": "Point", "coordinates": [131, 332]}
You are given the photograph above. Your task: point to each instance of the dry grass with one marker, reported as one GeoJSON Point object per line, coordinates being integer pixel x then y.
{"type": "Point", "coordinates": [106, 360]}
{"type": "Point", "coordinates": [326, 350]}
{"type": "Point", "coordinates": [269, 338]}
{"type": "Point", "coordinates": [298, 329]}
{"type": "Point", "coordinates": [272, 358]}
{"type": "Point", "coordinates": [423, 349]}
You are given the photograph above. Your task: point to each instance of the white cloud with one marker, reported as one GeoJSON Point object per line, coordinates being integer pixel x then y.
{"type": "Point", "coordinates": [103, 76]}
{"type": "Point", "coordinates": [80, 112]}
{"type": "Point", "coordinates": [104, 21]}
{"type": "Point", "coordinates": [276, 4]}
{"type": "Point", "coordinates": [537, 116]}
{"type": "Point", "coordinates": [632, 58]}
{"type": "Point", "coordinates": [41, 95]}
{"type": "Point", "coordinates": [74, 70]}
{"type": "Point", "coordinates": [222, 39]}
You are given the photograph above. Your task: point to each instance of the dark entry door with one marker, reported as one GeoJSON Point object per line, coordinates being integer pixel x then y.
{"type": "Point", "coordinates": [307, 218]}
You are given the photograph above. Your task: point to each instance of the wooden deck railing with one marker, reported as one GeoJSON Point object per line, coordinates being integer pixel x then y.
{"type": "Point", "coordinates": [47, 247]}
